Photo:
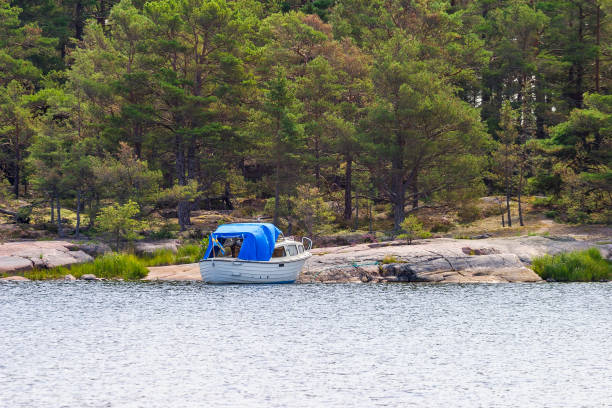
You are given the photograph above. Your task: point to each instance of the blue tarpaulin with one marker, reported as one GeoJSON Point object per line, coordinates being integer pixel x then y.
{"type": "Point", "coordinates": [258, 239]}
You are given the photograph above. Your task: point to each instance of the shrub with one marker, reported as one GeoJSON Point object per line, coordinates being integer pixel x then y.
{"type": "Point", "coordinates": [542, 202]}
{"type": "Point", "coordinates": [119, 220]}
{"type": "Point", "coordinates": [469, 213]}
{"type": "Point", "coordinates": [24, 214]}
{"type": "Point", "coordinates": [166, 231]}
{"type": "Point", "coordinates": [578, 266]}
{"type": "Point", "coordinates": [441, 226]}
{"type": "Point", "coordinates": [551, 214]}
{"type": "Point", "coordinates": [413, 229]}
{"type": "Point", "coordinates": [389, 259]}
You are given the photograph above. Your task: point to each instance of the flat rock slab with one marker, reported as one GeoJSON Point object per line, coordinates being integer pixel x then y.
{"type": "Point", "coordinates": [14, 279]}
{"type": "Point", "coordinates": [10, 264]}
{"type": "Point", "coordinates": [186, 272]}
{"type": "Point", "coordinates": [22, 256]}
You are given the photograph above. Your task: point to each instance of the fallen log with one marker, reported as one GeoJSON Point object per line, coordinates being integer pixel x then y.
{"type": "Point", "coordinates": [7, 212]}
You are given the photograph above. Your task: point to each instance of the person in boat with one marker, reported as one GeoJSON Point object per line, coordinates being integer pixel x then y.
{"type": "Point", "coordinates": [235, 246]}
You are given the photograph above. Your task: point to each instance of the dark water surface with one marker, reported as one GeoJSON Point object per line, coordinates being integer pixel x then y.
{"type": "Point", "coordinates": [192, 345]}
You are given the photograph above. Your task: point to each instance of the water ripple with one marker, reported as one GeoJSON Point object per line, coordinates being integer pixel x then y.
{"type": "Point", "coordinates": [85, 344]}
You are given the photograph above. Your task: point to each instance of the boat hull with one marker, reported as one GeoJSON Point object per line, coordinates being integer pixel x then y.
{"type": "Point", "coordinates": [235, 271]}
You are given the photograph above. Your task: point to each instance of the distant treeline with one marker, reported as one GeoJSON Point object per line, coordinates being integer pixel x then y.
{"type": "Point", "coordinates": [176, 103]}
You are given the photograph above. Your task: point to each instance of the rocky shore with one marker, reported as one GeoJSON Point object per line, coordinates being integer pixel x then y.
{"type": "Point", "coordinates": [492, 260]}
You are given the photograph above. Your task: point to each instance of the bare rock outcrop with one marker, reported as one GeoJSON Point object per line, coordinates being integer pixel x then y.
{"type": "Point", "coordinates": [147, 248]}
{"type": "Point", "coordinates": [22, 256]}
{"type": "Point", "coordinates": [439, 260]}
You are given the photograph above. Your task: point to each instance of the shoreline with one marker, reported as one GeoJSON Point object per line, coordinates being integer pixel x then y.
{"type": "Point", "coordinates": [438, 260]}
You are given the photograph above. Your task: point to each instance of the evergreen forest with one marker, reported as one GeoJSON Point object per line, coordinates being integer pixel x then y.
{"type": "Point", "coordinates": [307, 114]}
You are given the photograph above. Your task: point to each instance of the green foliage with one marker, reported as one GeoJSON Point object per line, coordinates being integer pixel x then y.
{"type": "Point", "coordinates": [542, 202]}
{"type": "Point", "coordinates": [108, 266]}
{"type": "Point", "coordinates": [578, 266]}
{"type": "Point", "coordinates": [24, 215]}
{"type": "Point", "coordinates": [184, 103]}
{"type": "Point", "coordinates": [413, 229]}
{"type": "Point", "coordinates": [469, 212]}
{"type": "Point", "coordinates": [389, 259]}
{"type": "Point", "coordinates": [126, 266]}
{"type": "Point", "coordinates": [312, 210]}
{"type": "Point", "coordinates": [126, 177]}
{"type": "Point", "coordinates": [119, 221]}
{"type": "Point", "coordinates": [166, 231]}
{"type": "Point", "coordinates": [306, 209]}
{"type": "Point", "coordinates": [186, 254]}
{"type": "Point", "coordinates": [582, 147]}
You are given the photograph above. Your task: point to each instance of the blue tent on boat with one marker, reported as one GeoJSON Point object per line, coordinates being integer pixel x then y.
{"type": "Point", "coordinates": [258, 239]}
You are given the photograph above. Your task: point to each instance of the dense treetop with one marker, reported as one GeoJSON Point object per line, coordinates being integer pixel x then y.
{"type": "Point", "coordinates": [313, 105]}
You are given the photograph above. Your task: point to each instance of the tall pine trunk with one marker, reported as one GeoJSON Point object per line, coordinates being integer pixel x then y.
{"type": "Point", "coordinates": [508, 201]}
{"type": "Point", "coordinates": [597, 41]}
{"type": "Point", "coordinates": [78, 215]}
{"type": "Point", "coordinates": [59, 216]}
{"type": "Point", "coordinates": [227, 196]}
{"type": "Point", "coordinates": [276, 192]}
{"type": "Point", "coordinates": [399, 202]}
{"type": "Point", "coordinates": [398, 194]}
{"type": "Point", "coordinates": [17, 170]}
{"type": "Point", "coordinates": [317, 162]}
{"type": "Point", "coordinates": [356, 227]}
{"type": "Point", "coordinates": [79, 20]}
{"type": "Point", "coordinates": [519, 193]}
{"type": "Point", "coordinates": [348, 175]}
{"type": "Point", "coordinates": [183, 209]}
{"type": "Point", "coordinates": [370, 215]}
{"type": "Point", "coordinates": [415, 191]}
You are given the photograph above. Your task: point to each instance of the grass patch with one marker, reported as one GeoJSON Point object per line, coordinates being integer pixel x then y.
{"type": "Point", "coordinates": [538, 234]}
{"type": "Point", "coordinates": [578, 266]}
{"type": "Point", "coordinates": [109, 266]}
{"type": "Point", "coordinates": [185, 254]}
{"type": "Point", "coordinates": [389, 259]}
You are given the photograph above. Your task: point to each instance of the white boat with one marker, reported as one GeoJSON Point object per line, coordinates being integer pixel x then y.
{"type": "Point", "coordinates": [252, 253]}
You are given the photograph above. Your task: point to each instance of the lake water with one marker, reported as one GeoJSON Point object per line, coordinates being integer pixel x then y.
{"type": "Point", "coordinates": [87, 344]}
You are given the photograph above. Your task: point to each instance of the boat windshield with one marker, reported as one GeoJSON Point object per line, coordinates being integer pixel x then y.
{"type": "Point", "coordinates": [279, 252]}
{"type": "Point", "coordinates": [231, 248]}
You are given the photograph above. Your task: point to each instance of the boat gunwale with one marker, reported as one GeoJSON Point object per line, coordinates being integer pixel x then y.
{"type": "Point", "coordinates": [299, 257]}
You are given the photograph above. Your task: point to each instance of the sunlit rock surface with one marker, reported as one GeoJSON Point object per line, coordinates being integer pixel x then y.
{"type": "Point", "coordinates": [22, 256]}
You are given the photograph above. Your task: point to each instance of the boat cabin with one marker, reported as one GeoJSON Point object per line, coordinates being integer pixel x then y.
{"type": "Point", "coordinates": [288, 248]}
{"type": "Point", "coordinates": [252, 242]}
{"type": "Point", "coordinates": [282, 249]}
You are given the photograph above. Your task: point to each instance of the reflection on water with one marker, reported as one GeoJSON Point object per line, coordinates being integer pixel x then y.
{"type": "Point", "coordinates": [189, 344]}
